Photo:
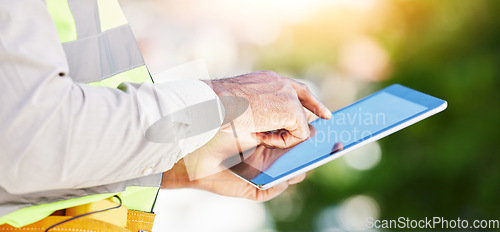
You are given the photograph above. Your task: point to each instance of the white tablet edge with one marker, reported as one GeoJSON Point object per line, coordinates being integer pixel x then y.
{"type": "Point", "coordinates": [344, 151]}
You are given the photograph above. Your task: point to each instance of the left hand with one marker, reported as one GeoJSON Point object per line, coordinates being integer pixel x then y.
{"type": "Point", "coordinates": [227, 184]}
{"type": "Point", "coordinates": [223, 183]}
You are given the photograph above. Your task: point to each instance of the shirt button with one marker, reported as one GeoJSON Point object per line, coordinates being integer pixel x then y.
{"type": "Point", "coordinates": [147, 171]}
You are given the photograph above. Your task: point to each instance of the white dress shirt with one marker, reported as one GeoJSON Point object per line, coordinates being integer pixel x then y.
{"type": "Point", "coordinates": [58, 134]}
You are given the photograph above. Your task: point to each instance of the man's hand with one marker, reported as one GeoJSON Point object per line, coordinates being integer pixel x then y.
{"type": "Point", "coordinates": [223, 183]}
{"type": "Point", "coordinates": [278, 115]}
{"type": "Point", "coordinates": [276, 105]}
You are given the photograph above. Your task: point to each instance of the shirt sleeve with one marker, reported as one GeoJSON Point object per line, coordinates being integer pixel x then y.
{"type": "Point", "coordinates": [58, 134]}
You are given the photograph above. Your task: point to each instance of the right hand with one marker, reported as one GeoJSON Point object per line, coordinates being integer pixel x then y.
{"type": "Point", "coordinates": [276, 117]}
{"type": "Point", "coordinates": [227, 184]}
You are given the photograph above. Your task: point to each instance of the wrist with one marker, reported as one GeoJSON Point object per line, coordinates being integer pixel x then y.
{"type": "Point", "coordinates": [219, 86]}
{"type": "Point", "coordinates": [233, 99]}
{"type": "Point", "coordinates": [177, 177]}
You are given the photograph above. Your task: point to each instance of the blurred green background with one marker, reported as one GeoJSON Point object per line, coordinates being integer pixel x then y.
{"type": "Point", "coordinates": [445, 166]}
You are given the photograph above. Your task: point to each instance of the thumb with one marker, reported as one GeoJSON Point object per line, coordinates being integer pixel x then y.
{"type": "Point", "coordinates": [268, 194]}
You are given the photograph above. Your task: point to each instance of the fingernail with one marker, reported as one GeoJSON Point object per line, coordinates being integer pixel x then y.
{"type": "Point", "coordinates": [337, 147]}
{"type": "Point", "coordinates": [328, 111]}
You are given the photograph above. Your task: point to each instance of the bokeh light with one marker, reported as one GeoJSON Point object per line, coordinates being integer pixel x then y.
{"type": "Point", "coordinates": [445, 166]}
{"type": "Point", "coordinates": [195, 210]}
{"type": "Point", "coordinates": [350, 215]}
{"type": "Point", "coordinates": [365, 157]}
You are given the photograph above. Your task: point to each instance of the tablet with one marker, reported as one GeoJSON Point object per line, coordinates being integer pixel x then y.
{"type": "Point", "coordinates": [367, 120]}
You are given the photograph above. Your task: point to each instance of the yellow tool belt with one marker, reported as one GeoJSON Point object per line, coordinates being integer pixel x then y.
{"type": "Point", "coordinates": [115, 220]}
{"type": "Point", "coordinates": [136, 221]}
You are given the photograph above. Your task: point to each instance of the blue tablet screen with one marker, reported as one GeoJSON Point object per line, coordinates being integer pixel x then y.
{"type": "Point", "coordinates": [350, 125]}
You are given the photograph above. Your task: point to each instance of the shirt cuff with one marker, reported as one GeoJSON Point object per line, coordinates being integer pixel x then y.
{"type": "Point", "coordinates": [198, 114]}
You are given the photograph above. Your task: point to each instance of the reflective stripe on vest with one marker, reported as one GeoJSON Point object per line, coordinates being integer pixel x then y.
{"type": "Point", "coordinates": [101, 50]}
{"type": "Point", "coordinates": [99, 44]}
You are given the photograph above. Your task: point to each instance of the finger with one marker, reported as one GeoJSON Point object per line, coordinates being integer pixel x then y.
{"type": "Point", "coordinates": [337, 147]}
{"type": "Point", "coordinates": [298, 129]}
{"type": "Point", "coordinates": [297, 179]}
{"type": "Point", "coordinates": [309, 101]}
{"type": "Point", "coordinates": [312, 129]}
{"type": "Point", "coordinates": [268, 194]}
{"type": "Point", "coordinates": [273, 140]}
{"type": "Point", "coordinates": [281, 139]}
{"type": "Point", "coordinates": [295, 129]}
{"type": "Point", "coordinates": [260, 137]}
{"type": "Point", "coordinates": [272, 143]}
{"type": "Point", "coordinates": [310, 116]}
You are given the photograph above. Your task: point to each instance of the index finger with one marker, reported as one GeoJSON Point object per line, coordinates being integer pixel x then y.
{"type": "Point", "coordinates": [309, 101]}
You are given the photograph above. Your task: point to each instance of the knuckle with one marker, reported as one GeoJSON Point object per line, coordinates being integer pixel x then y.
{"type": "Point", "coordinates": [305, 133]}
{"type": "Point", "coordinates": [274, 75]}
{"type": "Point", "coordinates": [292, 98]}
{"type": "Point", "coordinates": [269, 73]}
{"type": "Point", "coordinates": [293, 108]}
{"type": "Point", "coordinates": [304, 88]}
{"type": "Point", "coordinates": [281, 146]}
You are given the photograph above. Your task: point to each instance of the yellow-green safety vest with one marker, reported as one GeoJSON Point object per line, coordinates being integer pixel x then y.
{"type": "Point", "coordinates": [102, 51]}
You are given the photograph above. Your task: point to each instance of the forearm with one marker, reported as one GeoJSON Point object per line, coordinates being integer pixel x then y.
{"type": "Point", "coordinates": [177, 177]}
{"type": "Point", "coordinates": [57, 134]}
{"type": "Point", "coordinates": [86, 137]}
